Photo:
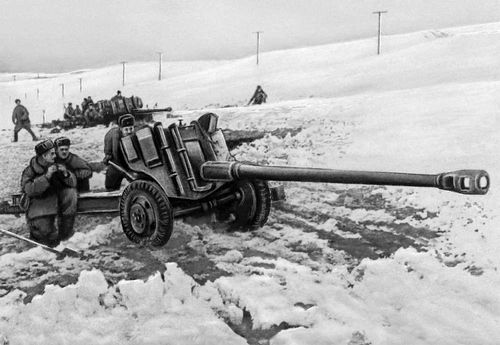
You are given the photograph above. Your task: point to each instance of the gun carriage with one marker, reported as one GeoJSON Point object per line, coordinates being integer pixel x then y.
{"type": "Point", "coordinates": [186, 168]}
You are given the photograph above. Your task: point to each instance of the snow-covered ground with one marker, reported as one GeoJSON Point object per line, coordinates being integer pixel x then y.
{"type": "Point", "coordinates": [335, 264]}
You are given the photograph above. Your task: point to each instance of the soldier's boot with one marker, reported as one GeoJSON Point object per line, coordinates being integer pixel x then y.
{"type": "Point", "coordinates": [42, 230]}
{"type": "Point", "coordinates": [65, 225]}
{"type": "Point", "coordinates": [67, 208]}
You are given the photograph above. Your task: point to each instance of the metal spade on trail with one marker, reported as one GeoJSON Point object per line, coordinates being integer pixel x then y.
{"type": "Point", "coordinates": [60, 254]}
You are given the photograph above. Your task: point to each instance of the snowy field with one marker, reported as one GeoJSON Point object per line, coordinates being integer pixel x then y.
{"type": "Point", "coordinates": [335, 264]}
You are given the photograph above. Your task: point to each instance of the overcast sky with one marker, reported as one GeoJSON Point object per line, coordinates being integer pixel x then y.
{"type": "Point", "coordinates": [65, 35]}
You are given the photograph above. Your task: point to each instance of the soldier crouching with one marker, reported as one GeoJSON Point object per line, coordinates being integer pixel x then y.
{"type": "Point", "coordinates": [51, 192]}
{"type": "Point", "coordinates": [74, 163]}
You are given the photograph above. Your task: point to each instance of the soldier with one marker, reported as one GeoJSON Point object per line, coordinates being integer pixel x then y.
{"type": "Point", "coordinates": [112, 150]}
{"type": "Point", "coordinates": [21, 119]}
{"type": "Point", "coordinates": [84, 105]}
{"type": "Point", "coordinates": [259, 96]}
{"type": "Point", "coordinates": [91, 115]}
{"type": "Point", "coordinates": [78, 111]}
{"type": "Point", "coordinates": [118, 96]}
{"type": "Point", "coordinates": [86, 102]}
{"type": "Point", "coordinates": [90, 101]}
{"type": "Point", "coordinates": [69, 112]}
{"type": "Point", "coordinates": [79, 119]}
{"type": "Point", "coordinates": [73, 163]}
{"type": "Point", "coordinates": [50, 190]}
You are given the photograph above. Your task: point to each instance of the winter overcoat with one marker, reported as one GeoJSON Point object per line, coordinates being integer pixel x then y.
{"type": "Point", "coordinates": [112, 149]}
{"type": "Point", "coordinates": [77, 165]}
{"type": "Point", "coordinates": [20, 115]}
{"type": "Point", "coordinates": [42, 192]}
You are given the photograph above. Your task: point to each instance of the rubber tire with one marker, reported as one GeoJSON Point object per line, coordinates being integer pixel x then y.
{"type": "Point", "coordinates": [163, 219]}
{"type": "Point", "coordinates": [262, 204]}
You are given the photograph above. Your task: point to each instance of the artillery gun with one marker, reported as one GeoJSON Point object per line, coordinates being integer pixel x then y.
{"type": "Point", "coordinates": [186, 168]}
{"type": "Point", "coordinates": [110, 110]}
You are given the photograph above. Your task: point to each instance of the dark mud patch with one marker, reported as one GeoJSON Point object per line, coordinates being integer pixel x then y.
{"type": "Point", "coordinates": [117, 259]}
{"type": "Point", "coordinates": [61, 280]}
{"type": "Point", "coordinates": [366, 241]}
{"type": "Point", "coordinates": [149, 260]}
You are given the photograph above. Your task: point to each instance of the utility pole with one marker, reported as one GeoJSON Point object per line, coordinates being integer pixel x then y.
{"type": "Point", "coordinates": [258, 43]}
{"type": "Point", "coordinates": [62, 90]}
{"type": "Point", "coordinates": [378, 41]}
{"type": "Point", "coordinates": [80, 85]}
{"type": "Point", "coordinates": [14, 77]}
{"type": "Point", "coordinates": [37, 94]}
{"type": "Point", "coordinates": [123, 72]}
{"type": "Point", "coordinates": [160, 54]}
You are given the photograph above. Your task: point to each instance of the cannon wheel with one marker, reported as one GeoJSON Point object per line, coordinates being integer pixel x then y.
{"type": "Point", "coordinates": [252, 207]}
{"type": "Point", "coordinates": [146, 213]}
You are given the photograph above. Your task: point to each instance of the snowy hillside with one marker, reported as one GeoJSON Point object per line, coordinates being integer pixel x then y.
{"type": "Point", "coordinates": [335, 264]}
{"type": "Point", "coordinates": [410, 61]}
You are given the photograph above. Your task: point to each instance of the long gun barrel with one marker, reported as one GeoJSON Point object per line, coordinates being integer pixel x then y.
{"type": "Point", "coordinates": [460, 181]}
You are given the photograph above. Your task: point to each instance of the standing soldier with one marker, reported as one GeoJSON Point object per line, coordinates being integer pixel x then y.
{"type": "Point", "coordinates": [112, 151]}
{"type": "Point", "coordinates": [73, 163]}
{"type": "Point", "coordinates": [50, 192]}
{"type": "Point", "coordinates": [21, 119]}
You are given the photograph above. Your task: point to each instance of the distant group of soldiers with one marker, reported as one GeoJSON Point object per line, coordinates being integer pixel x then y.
{"type": "Point", "coordinates": [88, 113]}
{"type": "Point", "coordinates": [81, 116]}
{"type": "Point", "coordinates": [54, 176]}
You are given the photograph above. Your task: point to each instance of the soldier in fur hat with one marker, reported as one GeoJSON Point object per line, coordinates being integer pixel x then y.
{"type": "Point", "coordinates": [51, 192]}
{"type": "Point", "coordinates": [112, 151]}
{"type": "Point", "coordinates": [74, 163]}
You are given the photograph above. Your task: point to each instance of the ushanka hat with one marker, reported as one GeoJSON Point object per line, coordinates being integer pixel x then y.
{"type": "Point", "coordinates": [126, 120]}
{"type": "Point", "coordinates": [62, 141]}
{"type": "Point", "coordinates": [43, 147]}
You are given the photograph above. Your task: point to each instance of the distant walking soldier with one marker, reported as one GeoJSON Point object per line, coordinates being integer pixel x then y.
{"type": "Point", "coordinates": [112, 151]}
{"type": "Point", "coordinates": [73, 163]}
{"type": "Point", "coordinates": [50, 190]}
{"type": "Point", "coordinates": [259, 96]}
{"type": "Point", "coordinates": [21, 119]}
